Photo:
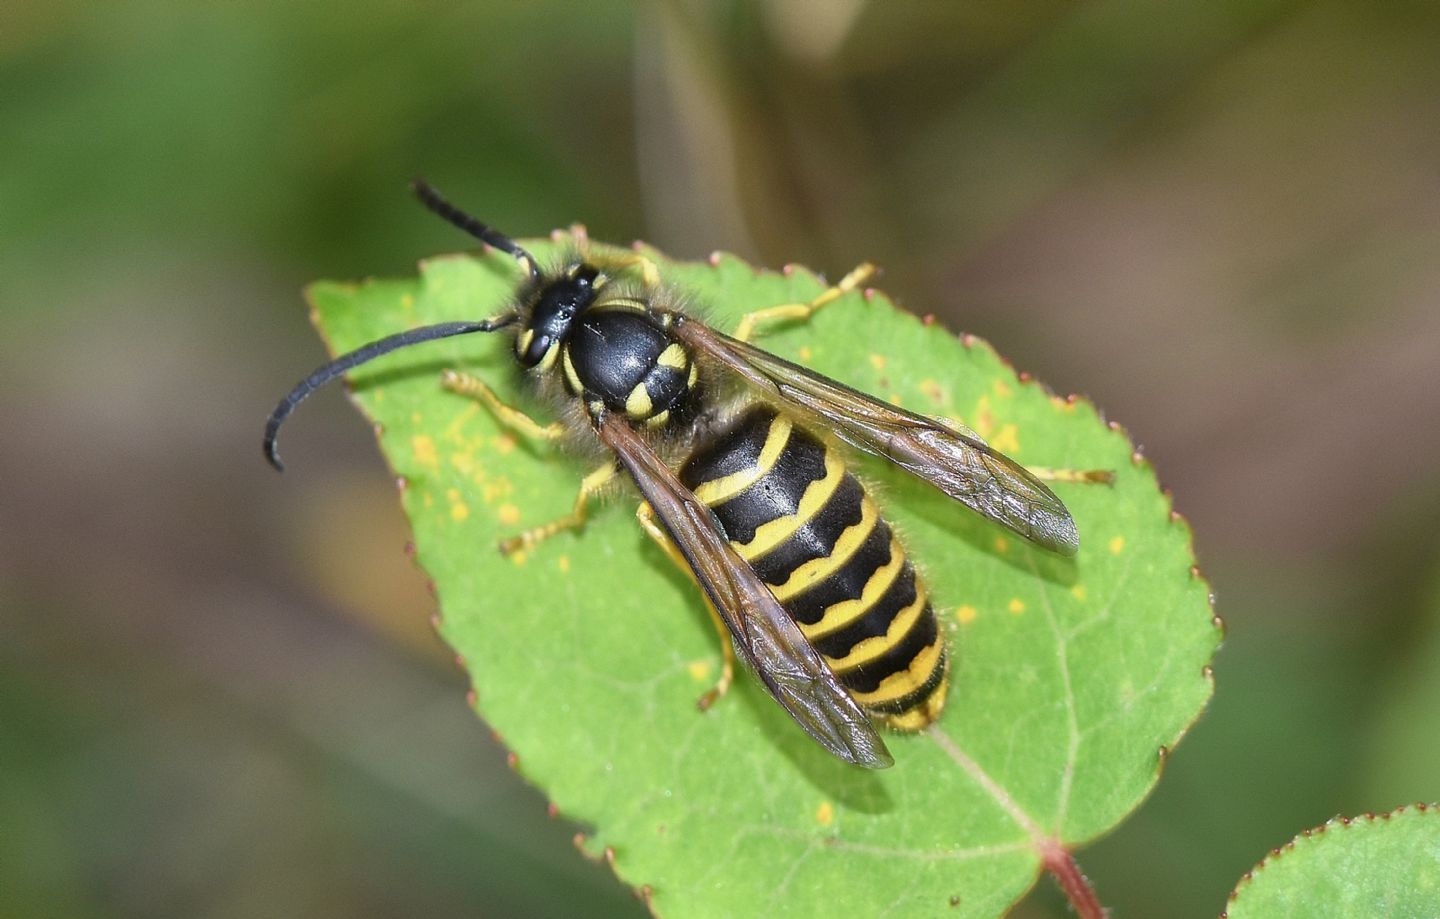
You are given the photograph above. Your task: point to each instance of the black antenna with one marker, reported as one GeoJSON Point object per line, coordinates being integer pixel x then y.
{"type": "Point", "coordinates": [359, 356]}
{"type": "Point", "coordinates": [436, 203]}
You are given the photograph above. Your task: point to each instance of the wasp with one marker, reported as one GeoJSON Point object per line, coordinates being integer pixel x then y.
{"type": "Point", "coordinates": [733, 451]}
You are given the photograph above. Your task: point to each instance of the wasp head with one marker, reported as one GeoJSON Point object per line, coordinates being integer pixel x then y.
{"type": "Point", "coordinates": [556, 303]}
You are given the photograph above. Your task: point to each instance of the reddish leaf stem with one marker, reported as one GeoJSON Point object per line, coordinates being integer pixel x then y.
{"type": "Point", "coordinates": [1060, 863]}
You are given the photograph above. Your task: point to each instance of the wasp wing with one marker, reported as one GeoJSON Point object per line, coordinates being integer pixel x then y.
{"type": "Point", "coordinates": [766, 637]}
{"type": "Point", "coordinates": [959, 464]}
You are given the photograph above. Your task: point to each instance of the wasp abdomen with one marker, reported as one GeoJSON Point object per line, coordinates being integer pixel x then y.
{"type": "Point", "coordinates": [628, 360]}
{"type": "Point", "coordinates": [795, 513]}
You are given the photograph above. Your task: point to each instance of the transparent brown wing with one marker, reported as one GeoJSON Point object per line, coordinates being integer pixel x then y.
{"type": "Point", "coordinates": [960, 465]}
{"type": "Point", "coordinates": [765, 636]}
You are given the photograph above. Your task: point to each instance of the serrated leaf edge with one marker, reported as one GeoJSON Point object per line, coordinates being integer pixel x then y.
{"type": "Point", "coordinates": [1306, 836]}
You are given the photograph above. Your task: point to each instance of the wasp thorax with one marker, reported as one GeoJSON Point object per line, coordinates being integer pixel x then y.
{"type": "Point", "coordinates": [556, 304]}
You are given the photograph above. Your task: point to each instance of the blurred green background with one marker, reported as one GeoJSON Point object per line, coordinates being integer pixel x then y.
{"type": "Point", "coordinates": [219, 691]}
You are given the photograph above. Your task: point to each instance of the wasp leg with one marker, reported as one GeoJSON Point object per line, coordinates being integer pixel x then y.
{"type": "Point", "coordinates": [1079, 476]}
{"type": "Point", "coordinates": [649, 272]}
{"type": "Point", "coordinates": [516, 420]}
{"type": "Point", "coordinates": [1044, 473]}
{"type": "Point", "coordinates": [727, 669]}
{"type": "Point", "coordinates": [508, 415]}
{"type": "Point", "coordinates": [852, 281]}
{"type": "Point", "coordinates": [574, 520]}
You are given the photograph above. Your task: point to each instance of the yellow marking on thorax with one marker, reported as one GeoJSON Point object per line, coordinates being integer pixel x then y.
{"type": "Point", "coordinates": [673, 356]}
{"type": "Point", "coordinates": [658, 420]}
{"type": "Point", "coordinates": [871, 648]}
{"type": "Point", "coordinates": [571, 376]}
{"type": "Point", "coordinates": [621, 303]}
{"type": "Point", "coordinates": [726, 487]}
{"type": "Point", "coordinates": [522, 343]}
{"type": "Point", "coordinates": [638, 404]}
{"type": "Point", "coordinates": [837, 616]}
{"type": "Point", "coordinates": [548, 360]}
{"type": "Point", "coordinates": [817, 494]}
{"type": "Point", "coordinates": [898, 685]}
{"type": "Point", "coordinates": [818, 569]}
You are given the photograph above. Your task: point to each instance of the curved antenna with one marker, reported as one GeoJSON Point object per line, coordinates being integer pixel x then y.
{"type": "Point", "coordinates": [359, 356]}
{"type": "Point", "coordinates": [437, 204]}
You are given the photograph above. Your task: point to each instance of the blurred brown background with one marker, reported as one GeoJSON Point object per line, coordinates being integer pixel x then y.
{"type": "Point", "coordinates": [219, 692]}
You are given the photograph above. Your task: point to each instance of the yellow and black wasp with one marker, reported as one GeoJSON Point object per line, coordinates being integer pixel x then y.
{"type": "Point", "coordinates": [797, 563]}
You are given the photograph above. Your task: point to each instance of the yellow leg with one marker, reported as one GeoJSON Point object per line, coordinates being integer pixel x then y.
{"type": "Point", "coordinates": [572, 521]}
{"type": "Point", "coordinates": [1043, 473]}
{"type": "Point", "coordinates": [852, 281]}
{"type": "Point", "coordinates": [649, 272]}
{"type": "Point", "coordinates": [646, 516]}
{"type": "Point", "coordinates": [511, 417]}
{"type": "Point", "coordinates": [1080, 476]}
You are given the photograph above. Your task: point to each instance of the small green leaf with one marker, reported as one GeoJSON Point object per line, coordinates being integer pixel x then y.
{"type": "Point", "coordinates": [1367, 866]}
{"type": "Point", "coordinates": [1071, 677]}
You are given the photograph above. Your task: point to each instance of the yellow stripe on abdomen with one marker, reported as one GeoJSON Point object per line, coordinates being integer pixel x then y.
{"type": "Point", "coordinates": [817, 496]}
{"type": "Point", "coordinates": [817, 570]}
{"type": "Point", "coordinates": [899, 685]}
{"type": "Point", "coordinates": [870, 649]}
{"type": "Point", "coordinates": [722, 489]}
{"type": "Point", "coordinates": [846, 612]}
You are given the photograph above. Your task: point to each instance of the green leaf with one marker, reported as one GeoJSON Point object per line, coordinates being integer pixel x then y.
{"type": "Point", "coordinates": [1367, 866]}
{"type": "Point", "coordinates": [1071, 677]}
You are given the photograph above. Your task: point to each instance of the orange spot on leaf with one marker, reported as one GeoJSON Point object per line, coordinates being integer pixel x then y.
{"type": "Point", "coordinates": [424, 449]}
{"type": "Point", "coordinates": [825, 813]}
{"type": "Point", "coordinates": [1007, 440]}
